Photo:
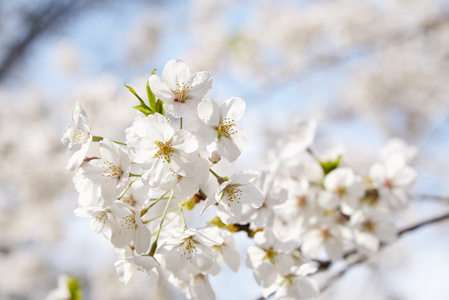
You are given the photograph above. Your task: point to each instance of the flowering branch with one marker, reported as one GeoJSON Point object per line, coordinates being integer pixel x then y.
{"type": "Point", "coordinates": [362, 259]}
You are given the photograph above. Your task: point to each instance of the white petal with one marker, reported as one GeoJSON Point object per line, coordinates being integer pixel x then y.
{"type": "Point", "coordinates": [228, 149]}
{"type": "Point", "coordinates": [176, 71]}
{"type": "Point", "coordinates": [173, 261]}
{"type": "Point", "coordinates": [201, 83]}
{"type": "Point", "coordinates": [203, 258]}
{"type": "Point", "coordinates": [231, 257]}
{"type": "Point", "coordinates": [142, 239]}
{"type": "Point", "coordinates": [160, 88]}
{"type": "Point", "coordinates": [208, 112]}
{"type": "Point", "coordinates": [233, 109]}
{"type": "Point", "coordinates": [185, 141]}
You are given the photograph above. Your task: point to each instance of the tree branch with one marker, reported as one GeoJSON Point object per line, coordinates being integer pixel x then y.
{"type": "Point", "coordinates": [362, 259]}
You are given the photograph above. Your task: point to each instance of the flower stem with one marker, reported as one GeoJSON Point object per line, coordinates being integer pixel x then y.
{"type": "Point", "coordinates": [145, 210]}
{"type": "Point", "coordinates": [127, 188]}
{"type": "Point", "coordinates": [182, 214]}
{"type": "Point", "coordinates": [219, 178]}
{"type": "Point", "coordinates": [96, 138]}
{"type": "Point", "coordinates": [154, 246]}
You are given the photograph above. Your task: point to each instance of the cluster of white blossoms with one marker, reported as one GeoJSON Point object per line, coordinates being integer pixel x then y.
{"type": "Point", "coordinates": [299, 211]}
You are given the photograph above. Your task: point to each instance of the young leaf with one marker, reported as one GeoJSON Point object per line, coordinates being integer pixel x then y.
{"type": "Point", "coordinates": [160, 107]}
{"type": "Point", "coordinates": [329, 166]}
{"type": "Point", "coordinates": [74, 288]}
{"type": "Point", "coordinates": [135, 94]}
{"type": "Point", "coordinates": [151, 98]}
{"type": "Point", "coordinates": [144, 109]}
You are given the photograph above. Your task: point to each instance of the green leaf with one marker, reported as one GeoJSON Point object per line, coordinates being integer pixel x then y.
{"type": "Point", "coordinates": [151, 97]}
{"type": "Point", "coordinates": [75, 290]}
{"type": "Point", "coordinates": [144, 109]}
{"type": "Point", "coordinates": [330, 165]}
{"type": "Point", "coordinates": [135, 94]}
{"type": "Point", "coordinates": [160, 107]}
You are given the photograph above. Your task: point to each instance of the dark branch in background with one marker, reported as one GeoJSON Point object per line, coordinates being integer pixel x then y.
{"type": "Point", "coordinates": [38, 21]}
{"type": "Point", "coordinates": [362, 259]}
{"type": "Point", "coordinates": [323, 265]}
{"type": "Point", "coordinates": [432, 197]}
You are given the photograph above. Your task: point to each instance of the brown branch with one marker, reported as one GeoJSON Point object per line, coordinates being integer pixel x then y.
{"type": "Point", "coordinates": [37, 23]}
{"type": "Point", "coordinates": [362, 259]}
{"type": "Point", "coordinates": [433, 197]}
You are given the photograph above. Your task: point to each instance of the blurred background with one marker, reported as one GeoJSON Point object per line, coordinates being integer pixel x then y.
{"type": "Point", "coordinates": [368, 70]}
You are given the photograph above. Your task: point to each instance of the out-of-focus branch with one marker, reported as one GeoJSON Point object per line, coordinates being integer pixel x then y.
{"type": "Point", "coordinates": [433, 197]}
{"type": "Point", "coordinates": [362, 259]}
{"type": "Point", "coordinates": [38, 22]}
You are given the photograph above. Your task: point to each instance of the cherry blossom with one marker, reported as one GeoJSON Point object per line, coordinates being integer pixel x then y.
{"type": "Point", "coordinates": [163, 152]}
{"type": "Point", "coordinates": [178, 88]}
{"type": "Point", "coordinates": [221, 126]}
{"type": "Point", "coordinates": [233, 193]}
{"type": "Point", "coordinates": [190, 246]}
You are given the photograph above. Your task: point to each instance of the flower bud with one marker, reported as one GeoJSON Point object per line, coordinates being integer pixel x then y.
{"type": "Point", "coordinates": [214, 157]}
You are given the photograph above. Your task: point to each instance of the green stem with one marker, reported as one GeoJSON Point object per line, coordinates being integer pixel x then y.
{"type": "Point", "coordinates": [157, 217]}
{"type": "Point", "coordinates": [219, 178]}
{"type": "Point", "coordinates": [170, 220]}
{"type": "Point", "coordinates": [127, 188]}
{"type": "Point", "coordinates": [182, 214]}
{"type": "Point", "coordinates": [180, 123]}
{"type": "Point", "coordinates": [96, 138]}
{"type": "Point", "coordinates": [154, 246]}
{"type": "Point", "coordinates": [144, 211]}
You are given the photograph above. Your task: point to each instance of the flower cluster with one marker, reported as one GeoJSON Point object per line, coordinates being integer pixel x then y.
{"type": "Point", "coordinates": [136, 192]}
{"type": "Point", "coordinates": [300, 210]}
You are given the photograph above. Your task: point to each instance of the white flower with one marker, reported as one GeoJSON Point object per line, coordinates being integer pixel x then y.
{"type": "Point", "coordinates": [178, 88]}
{"type": "Point", "coordinates": [111, 171]}
{"type": "Point", "coordinates": [233, 193]}
{"type": "Point", "coordinates": [128, 264]}
{"type": "Point", "coordinates": [77, 137]}
{"type": "Point", "coordinates": [225, 253]}
{"type": "Point", "coordinates": [269, 257]}
{"type": "Point", "coordinates": [295, 285]}
{"type": "Point", "coordinates": [370, 228]}
{"type": "Point", "coordinates": [163, 152]}
{"type": "Point", "coordinates": [221, 126]}
{"type": "Point", "coordinates": [342, 187]}
{"type": "Point", "coordinates": [392, 178]}
{"type": "Point", "coordinates": [99, 217]}
{"type": "Point", "coordinates": [190, 246]}
{"type": "Point", "coordinates": [200, 288]}
{"type": "Point", "coordinates": [300, 204]}
{"type": "Point", "coordinates": [127, 227]}
{"type": "Point", "coordinates": [326, 237]}
{"type": "Point", "coordinates": [264, 215]}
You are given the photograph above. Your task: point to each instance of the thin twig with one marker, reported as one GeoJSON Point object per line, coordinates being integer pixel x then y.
{"type": "Point", "coordinates": [362, 259]}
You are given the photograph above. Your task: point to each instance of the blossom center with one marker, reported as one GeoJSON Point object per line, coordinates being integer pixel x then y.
{"type": "Point", "coordinates": [233, 193]}
{"type": "Point", "coordinates": [79, 136]}
{"type": "Point", "coordinates": [128, 222]}
{"type": "Point", "coordinates": [226, 128]}
{"type": "Point", "coordinates": [165, 150]}
{"type": "Point", "coordinates": [325, 232]}
{"type": "Point", "coordinates": [340, 191]}
{"type": "Point", "coordinates": [270, 255]}
{"type": "Point", "coordinates": [111, 170]}
{"type": "Point", "coordinates": [189, 248]}
{"type": "Point", "coordinates": [181, 92]}
{"type": "Point", "coordinates": [368, 226]}
{"type": "Point", "coordinates": [301, 201]}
